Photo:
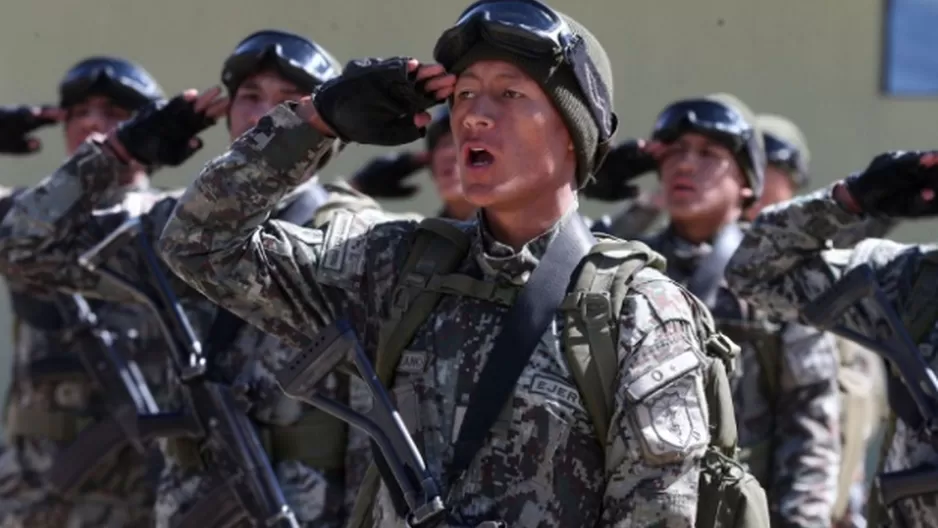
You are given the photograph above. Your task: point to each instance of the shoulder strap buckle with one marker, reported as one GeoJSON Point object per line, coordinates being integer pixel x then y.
{"type": "Point", "coordinates": [595, 309]}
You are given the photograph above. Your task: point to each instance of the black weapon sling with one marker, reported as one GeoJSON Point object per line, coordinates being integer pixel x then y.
{"type": "Point", "coordinates": [522, 329]}
{"type": "Point", "coordinates": [300, 211]}
{"type": "Point", "coordinates": [706, 280]}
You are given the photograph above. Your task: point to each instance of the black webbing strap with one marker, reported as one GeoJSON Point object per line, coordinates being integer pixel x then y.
{"type": "Point", "coordinates": [522, 328]}
{"type": "Point", "coordinates": [300, 211]}
{"type": "Point", "coordinates": [709, 275]}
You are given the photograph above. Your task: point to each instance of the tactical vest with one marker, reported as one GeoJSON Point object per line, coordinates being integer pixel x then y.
{"type": "Point", "coordinates": [729, 495]}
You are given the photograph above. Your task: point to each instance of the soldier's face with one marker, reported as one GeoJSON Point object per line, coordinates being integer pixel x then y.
{"type": "Point", "coordinates": [256, 96]}
{"type": "Point", "coordinates": [699, 178]}
{"type": "Point", "coordinates": [443, 171]}
{"type": "Point", "coordinates": [778, 188]}
{"type": "Point", "coordinates": [97, 113]}
{"type": "Point", "coordinates": [512, 145]}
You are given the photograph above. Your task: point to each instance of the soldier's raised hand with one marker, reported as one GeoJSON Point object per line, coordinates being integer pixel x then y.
{"type": "Point", "coordinates": [899, 184]}
{"type": "Point", "coordinates": [17, 122]}
{"type": "Point", "coordinates": [614, 181]}
{"type": "Point", "coordinates": [379, 101]}
{"type": "Point", "coordinates": [166, 132]}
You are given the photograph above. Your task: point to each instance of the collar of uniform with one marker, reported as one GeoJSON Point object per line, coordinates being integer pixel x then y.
{"type": "Point", "coordinates": [685, 250]}
{"type": "Point", "coordinates": [501, 261]}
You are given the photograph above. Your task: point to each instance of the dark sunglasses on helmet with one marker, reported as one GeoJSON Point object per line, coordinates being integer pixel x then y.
{"type": "Point", "coordinates": [299, 59]}
{"type": "Point", "coordinates": [128, 84]}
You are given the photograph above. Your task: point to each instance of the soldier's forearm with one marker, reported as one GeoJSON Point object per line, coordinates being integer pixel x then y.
{"type": "Point", "coordinates": [37, 235]}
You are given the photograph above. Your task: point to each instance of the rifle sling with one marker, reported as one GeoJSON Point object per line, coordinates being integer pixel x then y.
{"type": "Point", "coordinates": [522, 329]}
{"type": "Point", "coordinates": [709, 275]}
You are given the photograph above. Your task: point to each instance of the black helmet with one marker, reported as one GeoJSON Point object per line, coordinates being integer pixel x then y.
{"type": "Point", "coordinates": [297, 58]}
{"type": "Point", "coordinates": [123, 81]}
{"type": "Point", "coordinates": [723, 118]}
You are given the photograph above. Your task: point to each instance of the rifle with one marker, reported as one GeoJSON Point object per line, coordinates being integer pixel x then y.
{"type": "Point", "coordinates": [132, 414]}
{"type": "Point", "coordinates": [249, 492]}
{"type": "Point", "coordinates": [893, 343]}
{"type": "Point", "coordinates": [402, 467]}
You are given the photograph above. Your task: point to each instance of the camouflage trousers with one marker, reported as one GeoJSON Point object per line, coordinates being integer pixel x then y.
{"type": "Point", "coordinates": [316, 498]}
{"type": "Point", "coordinates": [118, 495]}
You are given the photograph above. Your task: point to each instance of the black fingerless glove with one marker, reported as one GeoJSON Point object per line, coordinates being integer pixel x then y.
{"type": "Point", "coordinates": [384, 177]}
{"type": "Point", "coordinates": [613, 180]}
{"type": "Point", "coordinates": [374, 102]}
{"type": "Point", "coordinates": [16, 122]}
{"type": "Point", "coordinates": [892, 186]}
{"type": "Point", "coordinates": [160, 134]}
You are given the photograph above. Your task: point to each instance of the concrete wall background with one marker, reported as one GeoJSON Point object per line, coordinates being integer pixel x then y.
{"type": "Point", "coordinates": [816, 62]}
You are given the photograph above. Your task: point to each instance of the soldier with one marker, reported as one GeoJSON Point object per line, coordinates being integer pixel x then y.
{"type": "Point", "coordinates": [529, 131]}
{"type": "Point", "coordinates": [861, 376]}
{"type": "Point", "coordinates": [785, 261]}
{"type": "Point", "coordinates": [42, 416]}
{"type": "Point", "coordinates": [785, 393]}
{"type": "Point", "coordinates": [383, 177]}
{"type": "Point", "coordinates": [307, 448]}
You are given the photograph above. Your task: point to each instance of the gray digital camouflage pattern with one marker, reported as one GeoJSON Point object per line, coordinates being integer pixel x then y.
{"type": "Point", "coordinates": [784, 262]}
{"type": "Point", "coordinates": [120, 492]}
{"type": "Point", "coordinates": [541, 466]}
{"type": "Point", "coordinates": [800, 429]}
{"type": "Point", "coordinates": [51, 224]}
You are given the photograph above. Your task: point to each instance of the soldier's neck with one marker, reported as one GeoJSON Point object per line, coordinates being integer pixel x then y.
{"type": "Point", "coordinates": [520, 222]}
{"type": "Point", "coordinates": [703, 228]}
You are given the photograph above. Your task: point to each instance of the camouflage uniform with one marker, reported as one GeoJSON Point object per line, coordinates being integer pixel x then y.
{"type": "Point", "coordinates": [785, 261]}
{"type": "Point", "coordinates": [541, 466]}
{"type": "Point", "coordinates": [802, 425]}
{"type": "Point", "coordinates": [40, 242]}
{"type": "Point", "coordinates": [120, 492]}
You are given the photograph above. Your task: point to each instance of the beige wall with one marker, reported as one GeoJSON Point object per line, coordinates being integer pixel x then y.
{"type": "Point", "coordinates": [815, 61]}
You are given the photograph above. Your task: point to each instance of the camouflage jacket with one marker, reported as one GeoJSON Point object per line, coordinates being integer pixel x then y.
{"type": "Point", "coordinates": [42, 415]}
{"type": "Point", "coordinates": [52, 224]}
{"type": "Point", "coordinates": [784, 262]}
{"type": "Point", "coordinates": [541, 464]}
{"type": "Point", "coordinates": [799, 424]}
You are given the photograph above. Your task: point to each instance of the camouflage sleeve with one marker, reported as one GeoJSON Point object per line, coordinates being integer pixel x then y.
{"type": "Point", "coordinates": [50, 225]}
{"type": "Point", "coordinates": [870, 227]}
{"type": "Point", "coordinates": [807, 434]}
{"type": "Point", "coordinates": [783, 262]}
{"type": "Point", "coordinates": [660, 427]}
{"type": "Point", "coordinates": [287, 280]}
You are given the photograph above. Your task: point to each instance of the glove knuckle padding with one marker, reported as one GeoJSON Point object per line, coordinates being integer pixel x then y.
{"type": "Point", "coordinates": [374, 101]}
{"type": "Point", "coordinates": [161, 133]}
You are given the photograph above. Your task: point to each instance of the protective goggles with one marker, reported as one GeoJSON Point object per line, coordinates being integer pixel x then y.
{"type": "Point", "coordinates": [786, 156]}
{"type": "Point", "coordinates": [126, 83]}
{"type": "Point", "coordinates": [706, 116]}
{"type": "Point", "coordinates": [298, 59]}
{"type": "Point", "coordinates": [528, 28]}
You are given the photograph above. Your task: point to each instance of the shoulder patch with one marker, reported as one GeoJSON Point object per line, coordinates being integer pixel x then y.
{"type": "Point", "coordinates": [653, 380]}
{"type": "Point", "coordinates": [673, 423]}
{"type": "Point", "coordinates": [344, 245]}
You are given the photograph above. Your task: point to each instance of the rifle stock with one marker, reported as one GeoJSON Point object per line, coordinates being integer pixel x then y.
{"type": "Point", "coordinates": [899, 485]}
{"type": "Point", "coordinates": [75, 464]}
{"type": "Point", "coordinates": [893, 342]}
{"type": "Point", "coordinates": [237, 455]}
{"type": "Point", "coordinates": [403, 471]}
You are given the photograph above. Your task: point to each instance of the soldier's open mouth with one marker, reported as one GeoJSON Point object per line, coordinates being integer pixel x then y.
{"type": "Point", "coordinates": [479, 157]}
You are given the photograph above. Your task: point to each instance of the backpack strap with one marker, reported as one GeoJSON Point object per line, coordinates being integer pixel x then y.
{"type": "Point", "coordinates": [591, 328]}
{"type": "Point", "coordinates": [437, 249]}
